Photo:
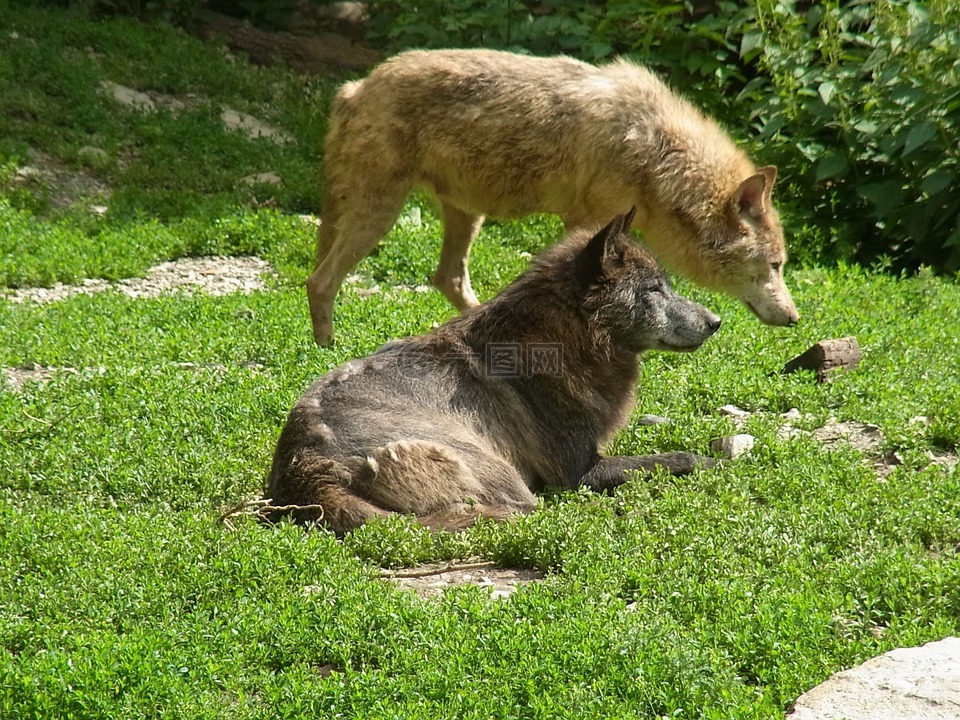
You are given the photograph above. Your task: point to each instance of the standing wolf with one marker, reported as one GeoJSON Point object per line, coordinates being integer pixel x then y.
{"type": "Point", "coordinates": [519, 393]}
{"type": "Point", "coordinates": [493, 133]}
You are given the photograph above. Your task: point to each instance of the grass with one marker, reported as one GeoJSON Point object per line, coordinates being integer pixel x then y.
{"type": "Point", "coordinates": [723, 594]}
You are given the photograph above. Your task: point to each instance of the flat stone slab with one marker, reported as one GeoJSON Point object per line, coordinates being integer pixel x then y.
{"type": "Point", "coordinates": [920, 683]}
{"type": "Point", "coordinates": [429, 581]}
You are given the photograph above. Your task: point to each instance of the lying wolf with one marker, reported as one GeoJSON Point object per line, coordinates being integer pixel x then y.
{"type": "Point", "coordinates": [492, 133]}
{"type": "Point", "coordinates": [519, 393]}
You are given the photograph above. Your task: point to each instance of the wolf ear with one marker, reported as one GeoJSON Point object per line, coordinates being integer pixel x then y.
{"type": "Point", "coordinates": [752, 198]}
{"type": "Point", "coordinates": [603, 247]}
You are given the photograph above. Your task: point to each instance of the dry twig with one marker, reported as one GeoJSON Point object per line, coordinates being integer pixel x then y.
{"type": "Point", "coordinates": [261, 509]}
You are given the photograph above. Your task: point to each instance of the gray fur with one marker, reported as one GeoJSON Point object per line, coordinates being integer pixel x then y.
{"type": "Point", "coordinates": [443, 428]}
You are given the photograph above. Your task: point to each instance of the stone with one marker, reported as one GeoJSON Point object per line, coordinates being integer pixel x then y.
{"type": "Point", "coordinates": [430, 581]}
{"type": "Point", "coordinates": [652, 420]}
{"type": "Point", "coordinates": [865, 437]}
{"type": "Point", "coordinates": [920, 683]}
{"type": "Point", "coordinates": [265, 178]}
{"type": "Point", "coordinates": [732, 446]}
{"type": "Point", "coordinates": [733, 411]}
{"type": "Point", "coordinates": [133, 99]}
{"type": "Point", "coordinates": [791, 415]}
{"type": "Point", "coordinates": [253, 127]}
{"type": "Point", "coordinates": [212, 275]}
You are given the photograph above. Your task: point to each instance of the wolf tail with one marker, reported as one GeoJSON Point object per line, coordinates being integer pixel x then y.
{"type": "Point", "coordinates": [342, 494]}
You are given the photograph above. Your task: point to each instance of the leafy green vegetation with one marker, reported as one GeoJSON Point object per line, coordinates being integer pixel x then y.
{"type": "Point", "coordinates": [722, 594]}
{"type": "Point", "coordinates": [856, 102]}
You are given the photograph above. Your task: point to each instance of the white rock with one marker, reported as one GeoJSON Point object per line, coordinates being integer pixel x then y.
{"type": "Point", "coordinates": [265, 178]}
{"type": "Point", "coordinates": [791, 415]}
{"type": "Point", "coordinates": [733, 446]}
{"type": "Point", "coordinates": [252, 127]}
{"type": "Point", "coordinates": [733, 411]}
{"type": "Point", "coordinates": [128, 96]}
{"type": "Point", "coordinates": [921, 683]}
{"type": "Point", "coordinates": [413, 217]}
{"type": "Point", "coordinates": [27, 172]}
{"type": "Point", "coordinates": [652, 420]}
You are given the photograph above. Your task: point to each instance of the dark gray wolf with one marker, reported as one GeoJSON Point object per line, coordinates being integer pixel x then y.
{"type": "Point", "coordinates": [516, 394]}
{"type": "Point", "coordinates": [493, 133]}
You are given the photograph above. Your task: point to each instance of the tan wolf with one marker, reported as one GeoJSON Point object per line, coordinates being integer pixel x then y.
{"type": "Point", "coordinates": [505, 135]}
{"type": "Point", "coordinates": [514, 395]}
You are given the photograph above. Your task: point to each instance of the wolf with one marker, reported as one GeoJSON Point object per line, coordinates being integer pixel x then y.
{"type": "Point", "coordinates": [491, 133]}
{"type": "Point", "coordinates": [473, 418]}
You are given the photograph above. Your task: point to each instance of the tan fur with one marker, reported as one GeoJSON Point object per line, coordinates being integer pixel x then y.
{"type": "Point", "coordinates": [503, 135]}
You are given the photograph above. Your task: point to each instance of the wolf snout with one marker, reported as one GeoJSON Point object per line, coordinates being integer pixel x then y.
{"type": "Point", "coordinates": [712, 322]}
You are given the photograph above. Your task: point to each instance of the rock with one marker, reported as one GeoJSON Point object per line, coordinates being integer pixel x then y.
{"type": "Point", "coordinates": [733, 411]}
{"type": "Point", "coordinates": [28, 172]}
{"type": "Point", "coordinates": [412, 218]}
{"type": "Point", "coordinates": [733, 446]}
{"type": "Point", "coordinates": [253, 127]}
{"type": "Point", "coordinates": [212, 275]}
{"type": "Point", "coordinates": [310, 219]}
{"type": "Point", "coordinates": [791, 415]}
{"type": "Point", "coordinates": [652, 420]}
{"type": "Point", "coordinates": [128, 96]}
{"type": "Point", "coordinates": [266, 178]}
{"type": "Point", "coordinates": [906, 684]}
{"type": "Point", "coordinates": [861, 436]}
{"type": "Point", "coordinates": [430, 581]}
{"type": "Point", "coordinates": [826, 357]}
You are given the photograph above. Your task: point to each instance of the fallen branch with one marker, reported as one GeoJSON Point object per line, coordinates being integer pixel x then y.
{"type": "Point", "coordinates": [50, 424]}
{"type": "Point", "coordinates": [426, 572]}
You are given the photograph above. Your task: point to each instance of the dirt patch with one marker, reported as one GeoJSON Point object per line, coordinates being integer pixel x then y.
{"type": "Point", "coordinates": [213, 275]}
{"type": "Point", "coordinates": [321, 44]}
{"type": "Point", "coordinates": [66, 186]}
{"type": "Point", "coordinates": [17, 377]}
{"type": "Point", "coordinates": [865, 438]}
{"type": "Point", "coordinates": [429, 581]}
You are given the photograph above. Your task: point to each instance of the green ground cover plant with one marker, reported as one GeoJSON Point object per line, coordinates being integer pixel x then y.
{"type": "Point", "coordinates": [723, 594]}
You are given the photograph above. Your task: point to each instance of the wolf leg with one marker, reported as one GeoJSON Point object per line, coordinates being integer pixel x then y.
{"type": "Point", "coordinates": [445, 488]}
{"type": "Point", "coordinates": [318, 487]}
{"type": "Point", "coordinates": [453, 276]}
{"type": "Point", "coordinates": [611, 472]}
{"type": "Point", "coordinates": [360, 206]}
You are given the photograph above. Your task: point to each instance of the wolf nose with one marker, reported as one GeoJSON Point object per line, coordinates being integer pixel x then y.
{"type": "Point", "coordinates": [713, 323]}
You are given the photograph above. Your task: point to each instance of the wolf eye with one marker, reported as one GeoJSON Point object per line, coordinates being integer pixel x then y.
{"type": "Point", "coordinates": [776, 266]}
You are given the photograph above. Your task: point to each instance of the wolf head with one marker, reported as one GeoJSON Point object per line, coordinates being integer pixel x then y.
{"type": "Point", "coordinates": [630, 298]}
{"type": "Point", "coordinates": [718, 226]}
{"type": "Point", "coordinates": [756, 236]}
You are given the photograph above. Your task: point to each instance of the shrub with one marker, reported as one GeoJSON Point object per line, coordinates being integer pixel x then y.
{"type": "Point", "coordinates": [857, 102]}
{"type": "Point", "coordinates": [862, 102]}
